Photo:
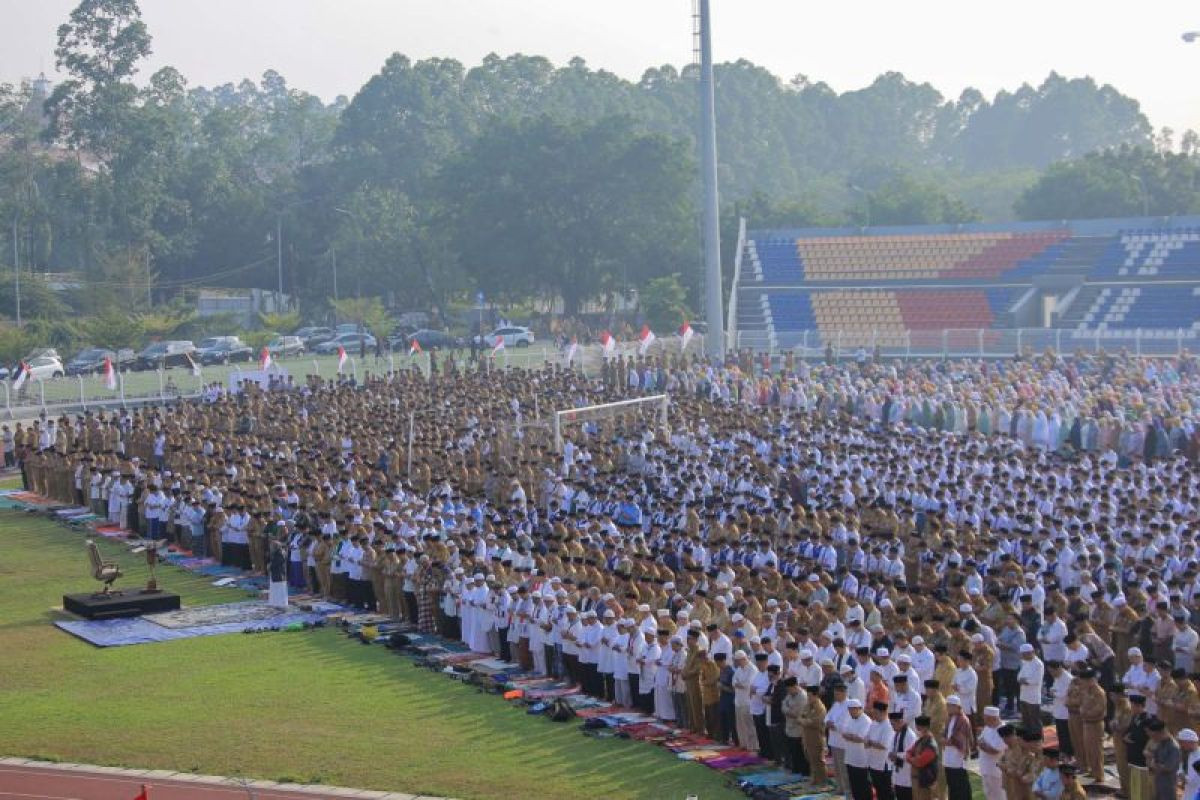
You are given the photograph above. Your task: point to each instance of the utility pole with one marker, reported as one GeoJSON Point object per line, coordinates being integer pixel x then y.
{"type": "Point", "coordinates": [17, 266]}
{"type": "Point", "coordinates": [279, 260]}
{"type": "Point", "coordinates": [333, 257]}
{"type": "Point", "coordinates": [714, 339]}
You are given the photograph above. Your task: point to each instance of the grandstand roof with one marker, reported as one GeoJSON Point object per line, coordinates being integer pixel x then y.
{"type": "Point", "coordinates": [1078, 227]}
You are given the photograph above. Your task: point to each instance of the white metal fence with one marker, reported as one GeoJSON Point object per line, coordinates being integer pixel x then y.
{"type": "Point", "coordinates": [970, 342]}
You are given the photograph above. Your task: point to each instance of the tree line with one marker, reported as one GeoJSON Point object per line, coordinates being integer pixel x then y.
{"type": "Point", "coordinates": [514, 178]}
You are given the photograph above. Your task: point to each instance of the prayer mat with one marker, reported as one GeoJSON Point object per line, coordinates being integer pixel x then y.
{"type": "Point", "coordinates": [592, 713]}
{"type": "Point", "coordinates": [138, 630]}
{"type": "Point", "coordinates": [198, 616]}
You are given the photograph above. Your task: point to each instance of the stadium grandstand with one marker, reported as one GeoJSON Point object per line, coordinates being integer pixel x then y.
{"type": "Point", "coordinates": [992, 290]}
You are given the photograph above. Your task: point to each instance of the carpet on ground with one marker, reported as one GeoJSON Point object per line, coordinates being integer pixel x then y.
{"type": "Point", "coordinates": [198, 616]}
{"type": "Point", "coordinates": [143, 630]}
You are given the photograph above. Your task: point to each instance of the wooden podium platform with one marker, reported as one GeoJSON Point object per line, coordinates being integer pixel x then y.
{"type": "Point", "coordinates": [130, 603]}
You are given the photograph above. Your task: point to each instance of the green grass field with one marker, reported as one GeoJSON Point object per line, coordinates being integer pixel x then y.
{"type": "Point", "coordinates": [308, 707]}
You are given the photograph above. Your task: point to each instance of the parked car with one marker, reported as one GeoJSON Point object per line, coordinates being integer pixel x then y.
{"type": "Point", "coordinates": [91, 360]}
{"type": "Point", "coordinates": [314, 335]}
{"type": "Point", "coordinates": [513, 335]}
{"type": "Point", "coordinates": [222, 350]}
{"type": "Point", "coordinates": [351, 341]}
{"type": "Point", "coordinates": [163, 355]}
{"type": "Point", "coordinates": [286, 346]}
{"type": "Point", "coordinates": [40, 368]}
{"type": "Point", "coordinates": [428, 339]}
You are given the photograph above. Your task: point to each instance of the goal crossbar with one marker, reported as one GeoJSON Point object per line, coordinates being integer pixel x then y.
{"type": "Point", "coordinates": [658, 402]}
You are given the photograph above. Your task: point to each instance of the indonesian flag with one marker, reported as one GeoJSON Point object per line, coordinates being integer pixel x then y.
{"type": "Point", "coordinates": [110, 374]}
{"type": "Point", "coordinates": [685, 335]}
{"type": "Point", "coordinates": [264, 360]}
{"type": "Point", "coordinates": [499, 346]}
{"type": "Point", "coordinates": [21, 376]}
{"type": "Point", "coordinates": [607, 343]}
{"type": "Point", "coordinates": [194, 365]}
{"type": "Point", "coordinates": [144, 794]}
{"type": "Point", "coordinates": [645, 340]}
{"type": "Point", "coordinates": [572, 349]}
{"type": "Point", "coordinates": [414, 347]}
{"type": "Point", "coordinates": [341, 357]}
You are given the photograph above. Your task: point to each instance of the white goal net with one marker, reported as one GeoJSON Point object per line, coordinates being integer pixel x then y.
{"type": "Point", "coordinates": [652, 409]}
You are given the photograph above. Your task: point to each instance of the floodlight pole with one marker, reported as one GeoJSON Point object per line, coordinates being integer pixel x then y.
{"type": "Point", "coordinates": [714, 337]}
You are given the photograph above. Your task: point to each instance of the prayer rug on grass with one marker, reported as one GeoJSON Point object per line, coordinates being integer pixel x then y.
{"type": "Point", "coordinates": [139, 630]}
{"type": "Point", "coordinates": [216, 615]}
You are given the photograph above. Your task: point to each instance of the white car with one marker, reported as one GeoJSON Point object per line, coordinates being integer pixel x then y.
{"type": "Point", "coordinates": [513, 336]}
{"type": "Point", "coordinates": [44, 367]}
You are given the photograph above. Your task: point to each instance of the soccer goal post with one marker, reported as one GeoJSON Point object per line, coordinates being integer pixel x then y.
{"type": "Point", "coordinates": [655, 404]}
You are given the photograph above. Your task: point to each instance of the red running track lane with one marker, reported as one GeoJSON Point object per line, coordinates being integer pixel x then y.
{"type": "Point", "coordinates": [21, 783]}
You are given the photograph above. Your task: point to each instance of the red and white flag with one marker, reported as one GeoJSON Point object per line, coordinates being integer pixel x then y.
{"type": "Point", "coordinates": [144, 794]}
{"type": "Point", "coordinates": [645, 339]}
{"type": "Point", "coordinates": [110, 374]}
{"type": "Point", "coordinates": [572, 350]}
{"type": "Point", "coordinates": [607, 344]}
{"type": "Point", "coordinates": [414, 347]}
{"type": "Point", "coordinates": [21, 376]}
{"type": "Point", "coordinates": [498, 346]}
{"type": "Point", "coordinates": [341, 357]}
{"type": "Point", "coordinates": [264, 360]}
{"type": "Point", "coordinates": [685, 335]}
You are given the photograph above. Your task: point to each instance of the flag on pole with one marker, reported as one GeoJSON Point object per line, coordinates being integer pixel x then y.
{"type": "Point", "coordinates": [110, 374]}
{"type": "Point", "coordinates": [607, 343]}
{"type": "Point", "coordinates": [685, 335]}
{"type": "Point", "coordinates": [414, 347]}
{"type": "Point", "coordinates": [21, 376]}
{"type": "Point", "coordinates": [341, 357]}
{"type": "Point", "coordinates": [194, 366]}
{"type": "Point", "coordinates": [646, 339]}
{"type": "Point", "coordinates": [498, 346]}
{"type": "Point", "coordinates": [264, 360]}
{"type": "Point", "coordinates": [144, 794]}
{"type": "Point", "coordinates": [572, 349]}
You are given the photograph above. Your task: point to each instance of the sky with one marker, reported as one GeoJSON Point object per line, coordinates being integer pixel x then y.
{"type": "Point", "coordinates": [331, 47]}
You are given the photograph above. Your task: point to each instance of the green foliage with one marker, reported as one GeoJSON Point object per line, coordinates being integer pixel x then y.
{"type": "Point", "coordinates": [1124, 181]}
{"type": "Point", "coordinates": [14, 343]}
{"type": "Point", "coordinates": [905, 200]}
{"type": "Point", "coordinates": [114, 329]}
{"type": "Point", "coordinates": [547, 208]}
{"type": "Point", "coordinates": [37, 298]}
{"type": "Point", "coordinates": [664, 303]}
{"type": "Point", "coordinates": [166, 322]}
{"type": "Point", "coordinates": [280, 323]}
{"type": "Point", "coordinates": [367, 311]}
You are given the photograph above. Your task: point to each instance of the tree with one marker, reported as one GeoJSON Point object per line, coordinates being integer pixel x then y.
{"type": "Point", "coordinates": [905, 200]}
{"type": "Point", "coordinates": [664, 302]}
{"type": "Point", "coordinates": [1118, 182]}
{"type": "Point", "coordinates": [569, 210]}
{"type": "Point", "coordinates": [113, 329]}
{"type": "Point", "coordinates": [99, 47]}
{"type": "Point", "coordinates": [366, 311]}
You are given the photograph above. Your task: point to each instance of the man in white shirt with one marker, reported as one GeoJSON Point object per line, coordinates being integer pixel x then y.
{"type": "Point", "coordinates": [957, 750]}
{"type": "Point", "coordinates": [1051, 636]}
{"type": "Point", "coordinates": [903, 738]}
{"type": "Point", "coordinates": [991, 748]}
{"type": "Point", "coordinates": [879, 739]}
{"type": "Point", "coordinates": [744, 674]}
{"type": "Point", "coordinates": [1029, 694]}
{"type": "Point", "coordinates": [834, 719]}
{"type": "Point", "coordinates": [1060, 684]}
{"type": "Point", "coordinates": [965, 682]}
{"type": "Point", "coordinates": [1183, 644]}
{"type": "Point", "coordinates": [905, 700]}
{"type": "Point", "coordinates": [854, 729]}
{"type": "Point", "coordinates": [1189, 743]}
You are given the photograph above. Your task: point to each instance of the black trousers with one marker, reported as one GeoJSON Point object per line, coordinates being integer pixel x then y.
{"type": "Point", "coordinates": [728, 724]}
{"type": "Point", "coordinates": [1006, 685]}
{"type": "Point", "coordinates": [903, 792]}
{"type": "Point", "coordinates": [1065, 745]}
{"type": "Point", "coordinates": [764, 735]}
{"type": "Point", "coordinates": [410, 603]}
{"type": "Point", "coordinates": [610, 691]}
{"type": "Point", "coordinates": [860, 782]}
{"type": "Point", "coordinates": [881, 781]}
{"type": "Point", "coordinates": [634, 685]}
{"type": "Point", "coordinates": [779, 744]}
{"type": "Point", "coordinates": [505, 649]}
{"type": "Point", "coordinates": [794, 755]}
{"type": "Point", "coordinates": [958, 785]}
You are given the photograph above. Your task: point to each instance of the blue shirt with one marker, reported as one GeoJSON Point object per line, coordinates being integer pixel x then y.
{"type": "Point", "coordinates": [1049, 784]}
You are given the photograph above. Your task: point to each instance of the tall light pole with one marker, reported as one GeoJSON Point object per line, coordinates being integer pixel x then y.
{"type": "Point", "coordinates": [1145, 195]}
{"type": "Point", "coordinates": [714, 338]}
{"type": "Point", "coordinates": [17, 265]}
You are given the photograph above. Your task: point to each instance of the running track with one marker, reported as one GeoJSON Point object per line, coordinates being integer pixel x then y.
{"type": "Point", "coordinates": [24, 782]}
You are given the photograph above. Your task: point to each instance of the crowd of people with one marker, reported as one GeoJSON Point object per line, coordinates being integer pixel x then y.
{"type": "Point", "coordinates": [872, 572]}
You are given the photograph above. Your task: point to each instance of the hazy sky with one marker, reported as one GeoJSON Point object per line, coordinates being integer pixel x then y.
{"type": "Point", "coordinates": [331, 47]}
